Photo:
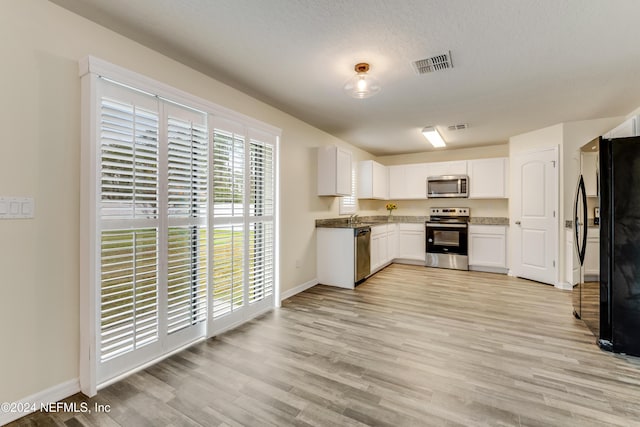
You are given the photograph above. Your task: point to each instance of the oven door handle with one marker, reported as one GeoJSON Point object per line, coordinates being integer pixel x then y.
{"type": "Point", "coordinates": [430, 225]}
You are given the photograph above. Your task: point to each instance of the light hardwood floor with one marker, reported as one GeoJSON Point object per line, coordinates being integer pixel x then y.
{"type": "Point", "coordinates": [411, 346]}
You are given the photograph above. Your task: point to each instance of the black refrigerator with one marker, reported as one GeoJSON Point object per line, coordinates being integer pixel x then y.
{"type": "Point", "coordinates": [609, 302]}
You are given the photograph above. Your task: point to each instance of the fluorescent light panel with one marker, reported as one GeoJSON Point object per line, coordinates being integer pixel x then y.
{"type": "Point", "coordinates": [433, 136]}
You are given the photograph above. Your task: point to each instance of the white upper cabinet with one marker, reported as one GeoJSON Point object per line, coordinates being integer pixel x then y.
{"type": "Point", "coordinates": [627, 128]}
{"type": "Point", "coordinates": [373, 180]}
{"type": "Point", "coordinates": [408, 181]}
{"type": "Point", "coordinates": [590, 173]}
{"type": "Point", "coordinates": [488, 178]}
{"type": "Point", "coordinates": [334, 171]}
{"type": "Point", "coordinates": [447, 168]}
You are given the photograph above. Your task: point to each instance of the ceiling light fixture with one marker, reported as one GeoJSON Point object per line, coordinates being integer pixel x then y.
{"type": "Point", "coordinates": [433, 136]}
{"type": "Point", "coordinates": [362, 85]}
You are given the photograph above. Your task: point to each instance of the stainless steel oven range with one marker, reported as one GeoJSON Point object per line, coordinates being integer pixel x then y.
{"type": "Point", "coordinates": [447, 238]}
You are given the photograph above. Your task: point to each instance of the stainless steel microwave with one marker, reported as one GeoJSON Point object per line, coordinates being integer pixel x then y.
{"type": "Point", "coordinates": [448, 186]}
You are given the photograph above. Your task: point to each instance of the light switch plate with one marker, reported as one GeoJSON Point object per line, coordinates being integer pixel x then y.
{"type": "Point", "coordinates": [16, 207]}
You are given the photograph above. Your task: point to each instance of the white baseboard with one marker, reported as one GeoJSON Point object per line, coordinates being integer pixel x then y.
{"type": "Point", "coordinates": [565, 286]}
{"type": "Point", "coordinates": [50, 395]}
{"type": "Point", "coordinates": [296, 290]}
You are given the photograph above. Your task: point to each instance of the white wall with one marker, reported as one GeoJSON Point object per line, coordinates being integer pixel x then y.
{"type": "Point", "coordinates": [41, 44]}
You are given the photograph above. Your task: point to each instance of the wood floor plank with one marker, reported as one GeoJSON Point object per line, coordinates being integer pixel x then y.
{"type": "Point", "coordinates": [411, 346]}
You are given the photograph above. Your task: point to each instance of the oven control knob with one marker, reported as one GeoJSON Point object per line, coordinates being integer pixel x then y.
{"type": "Point", "coordinates": [446, 250]}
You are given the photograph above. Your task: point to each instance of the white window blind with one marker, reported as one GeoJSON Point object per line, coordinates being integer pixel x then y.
{"type": "Point", "coordinates": [348, 203]}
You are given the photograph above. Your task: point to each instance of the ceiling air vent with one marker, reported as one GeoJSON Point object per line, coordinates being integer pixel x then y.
{"type": "Point", "coordinates": [458, 127]}
{"type": "Point", "coordinates": [435, 63]}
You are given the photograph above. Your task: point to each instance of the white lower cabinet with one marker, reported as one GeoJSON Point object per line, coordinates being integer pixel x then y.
{"type": "Point", "coordinates": [488, 248]}
{"type": "Point", "coordinates": [592, 255]}
{"type": "Point", "coordinates": [335, 257]}
{"type": "Point", "coordinates": [383, 242]}
{"type": "Point", "coordinates": [402, 243]}
{"type": "Point", "coordinates": [411, 243]}
{"type": "Point", "coordinates": [572, 264]}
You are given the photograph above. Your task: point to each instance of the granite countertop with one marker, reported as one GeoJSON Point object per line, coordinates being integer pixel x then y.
{"type": "Point", "coordinates": [591, 224]}
{"type": "Point", "coordinates": [391, 219]}
{"type": "Point", "coordinates": [368, 221]}
{"type": "Point", "coordinates": [489, 220]}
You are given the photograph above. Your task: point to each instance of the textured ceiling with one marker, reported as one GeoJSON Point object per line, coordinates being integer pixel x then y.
{"type": "Point", "coordinates": [518, 65]}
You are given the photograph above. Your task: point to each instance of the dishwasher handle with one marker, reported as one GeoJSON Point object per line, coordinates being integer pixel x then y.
{"type": "Point", "coordinates": [361, 231]}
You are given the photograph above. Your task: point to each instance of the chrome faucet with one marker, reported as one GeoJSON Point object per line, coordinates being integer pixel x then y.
{"type": "Point", "coordinates": [353, 219]}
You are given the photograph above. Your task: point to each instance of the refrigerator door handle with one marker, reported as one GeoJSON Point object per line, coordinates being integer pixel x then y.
{"type": "Point", "coordinates": [580, 194]}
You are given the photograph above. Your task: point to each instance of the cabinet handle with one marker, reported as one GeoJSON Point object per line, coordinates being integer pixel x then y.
{"type": "Point", "coordinates": [517, 222]}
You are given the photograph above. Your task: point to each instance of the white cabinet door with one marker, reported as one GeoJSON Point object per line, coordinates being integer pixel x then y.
{"type": "Point", "coordinates": [373, 180]}
{"type": "Point", "coordinates": [590, 173]}
{"type": "Point", "coordinates": [488, 247]}
{"type": "Point", "coordinates": [343, 173]}
{"type": "Point", "coordinates": [488, 178]}
{"type": "Point", "coordinates": [408, 181]}
{"type": "Point", "coordinates": [375, 255]}
{"type": "Point", "coordinates": [458, 167]}
{"type": "Point", "coordinates": [397, 179]}
{"type": "Point", "coordinates": [572, 264]}
{"type": "Point", "coordinates": [623, 130]}
{"type": "Point", "coordinates": [392, 243]}
{"type": "Point", "coordinates": [416, 181]}
{"type": "Point", "coordinates": [411, 242]}
{"type": "Point", "coordinates": [379, 246]}
{"type": "Point", "coordinates": [592, 255]}
{"type": "Point", "coordinates": [380, 181]}
{"type": "Point", "coordinates": [334, 171]}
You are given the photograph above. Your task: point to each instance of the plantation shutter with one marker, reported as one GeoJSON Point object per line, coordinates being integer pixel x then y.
{"type": "Point", "coordinates": [153, 218]}
{"type": "Point", "coordinates": [178, 210]}
{"type": "Point", "coordinates": [129, 201]}
{"type": "Point", "coordinates": [228, 196]}
{"type": "Point", "coordinates": [244, 204]}
{"type": "Point", "coordinates": [262, 207]}
{"type": "Point", "coordinates": [187, 207]}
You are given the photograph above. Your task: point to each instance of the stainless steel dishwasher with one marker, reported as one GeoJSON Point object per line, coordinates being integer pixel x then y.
{"type": "Point", "coordinates": [362, 253]}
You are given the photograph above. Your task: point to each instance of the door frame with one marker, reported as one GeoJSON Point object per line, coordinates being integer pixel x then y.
{"type": "Point", "coordinates": [556, 231]}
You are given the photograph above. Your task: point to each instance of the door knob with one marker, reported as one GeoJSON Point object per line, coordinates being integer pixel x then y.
{"type": "Point", "coordinates": [517, 222]}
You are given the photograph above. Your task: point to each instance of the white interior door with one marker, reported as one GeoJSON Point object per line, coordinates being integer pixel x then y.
{"type": "Point", "coordinates": [535, 222]}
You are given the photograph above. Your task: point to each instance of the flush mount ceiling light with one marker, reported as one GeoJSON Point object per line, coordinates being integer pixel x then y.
{"type": "Point", "coordinates": [362, 85]}
{"type": "Point", "coordinates": [433, 136]}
